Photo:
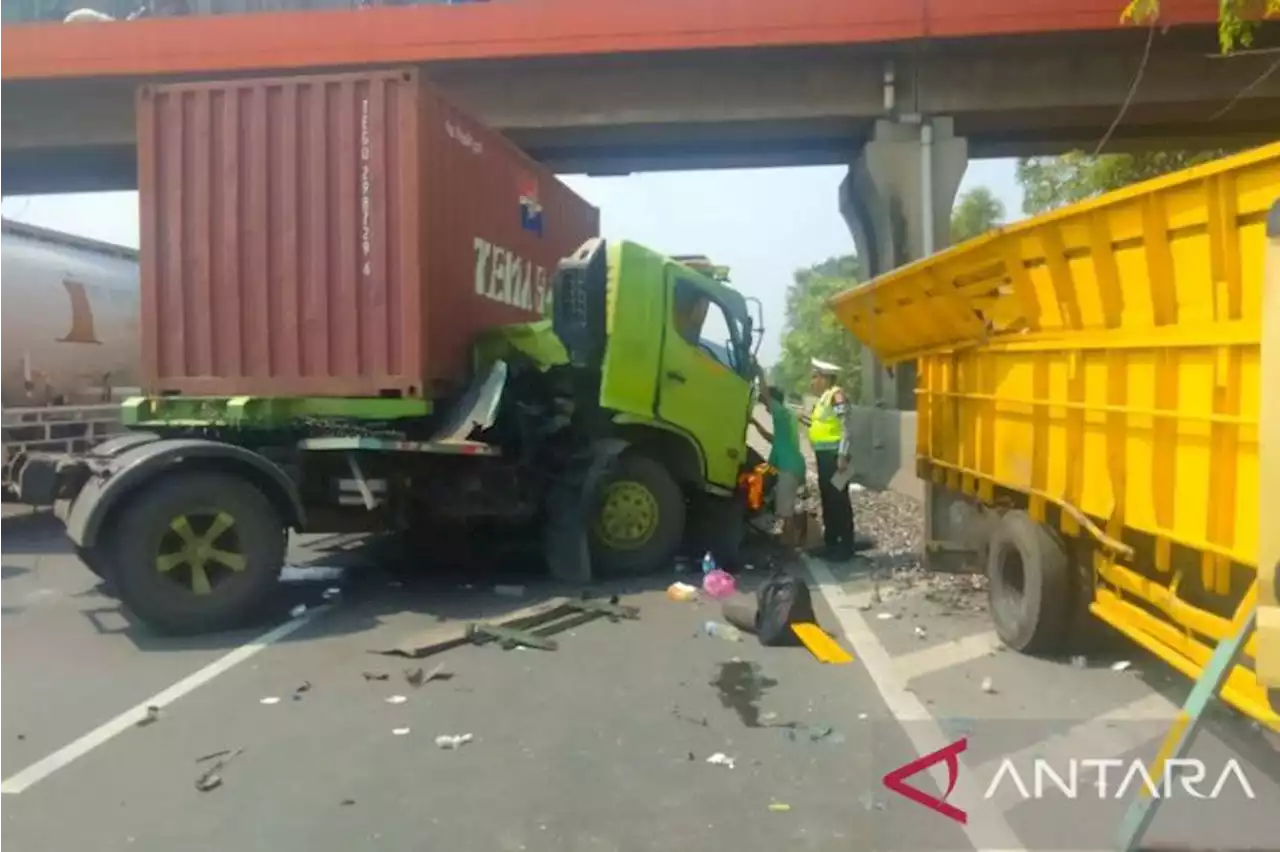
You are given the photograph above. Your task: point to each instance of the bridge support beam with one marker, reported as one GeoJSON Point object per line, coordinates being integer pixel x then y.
{"type": "Point", "coordinates": [897, 199]}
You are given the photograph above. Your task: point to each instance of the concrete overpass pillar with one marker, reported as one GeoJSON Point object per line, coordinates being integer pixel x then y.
{"type": "Point", "coordinates": [897, 199]}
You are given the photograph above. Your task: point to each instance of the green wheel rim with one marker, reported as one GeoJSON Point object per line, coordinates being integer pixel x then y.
{"type": "Point", "coordinates": [200, 551]}
{"type": "Point", "coordinates": [628, 515]}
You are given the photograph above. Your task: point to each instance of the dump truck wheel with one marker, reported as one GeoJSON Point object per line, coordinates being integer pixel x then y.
{"type": "Point", "coordinates": [197, 552]}
{"type": "Point", "coordinates": [96, 560]}
{"type": "Point", "coordinates": [639, 518]}
{"type": "Point", "coordinates": [1029, 585]}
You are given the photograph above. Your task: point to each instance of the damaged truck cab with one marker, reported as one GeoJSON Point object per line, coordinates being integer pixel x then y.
{"type": "Point", "coordinates": [615, 432]}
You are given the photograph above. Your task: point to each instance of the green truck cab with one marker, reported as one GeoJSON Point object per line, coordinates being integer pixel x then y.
{"type": "Point", "coordinates": [615, 431]}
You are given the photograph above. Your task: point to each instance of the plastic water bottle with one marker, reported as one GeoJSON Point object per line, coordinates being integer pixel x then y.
{"type": "Point", "coordinates": [722, 631]}
{"type": "Point", "coordinates": [708, 563]}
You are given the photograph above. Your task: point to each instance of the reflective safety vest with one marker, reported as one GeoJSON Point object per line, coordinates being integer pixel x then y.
{"type": "Point", "coordinates": [825, 428]}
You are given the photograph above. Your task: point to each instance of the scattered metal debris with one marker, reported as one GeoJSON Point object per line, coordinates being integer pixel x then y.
{"type": "Point", "coordinates": [211, 778]}
{"type": "Point", "coordinates": [301, 689]}
{"type": "Point", "coordinates": [270, 699]}
{"type": "Point", "coordinates": [721, 759]}
{"type": "Point", "coordinates": [396, 699]}
{"type": "Point", "coordinates": [371, 676]}
{"type": "Point", "coordinates": [151, 716]}
{"type": "Point", "coordinates": [414, 677]}
{"type": "Point", "coordinates": [452, 741]}
{"type": "Point", "coordinates": [886, 616]}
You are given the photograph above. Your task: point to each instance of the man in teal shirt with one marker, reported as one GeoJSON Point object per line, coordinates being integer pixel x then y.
{"type": "Point", "coordinates": [785, 457]}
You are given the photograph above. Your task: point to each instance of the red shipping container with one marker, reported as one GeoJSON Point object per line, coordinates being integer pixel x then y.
{"type": "Point", "coordinates": [336, 235]}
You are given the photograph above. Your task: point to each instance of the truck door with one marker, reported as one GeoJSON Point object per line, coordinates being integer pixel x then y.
{"type": "Point", "coordinates": [704, 387]}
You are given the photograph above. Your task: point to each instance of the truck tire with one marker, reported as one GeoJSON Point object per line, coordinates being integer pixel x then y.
{"type": "Point", "coordinates": [197, 552]}
{"type": "Point", "coordinates": [1029, 585]}
{"type": "Point", "coordinates": [638, 520]}
{"type": "Point", "coordinates": [95, 559]}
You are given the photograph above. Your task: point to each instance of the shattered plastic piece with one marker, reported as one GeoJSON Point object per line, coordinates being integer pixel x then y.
{"type": "Point", "coordinates": [332, 592]}
{"type": "Point", "coordinates": [820, 732]}
{"type": "Point", "coordinates": [721, 759]}
{"type": "Point", "coordinates": [886, 616]}
{"type": "Point", "coordinates": [452, 741]}
{"type": "Point", "coordinates": [988, 686]}
{"type": "Point", "coordinates": [1080, 661]}
{"type": "Point", "coordinates": [396, 699]}
{"type": "Point", "coordinates": [509, 591]}
{"type": "Point", "coordinates": [399, 732]}
{"type": "Point", "coordinates": [779, 807]}
{"type": "Point", "coordinates": [1120, 665]}
{"type": "Point", "coordinates": [311, 573]}
{"type": "Point", "coordinates": [921, 633]}
{"type": "Point", "coordinates": [270, 699]}
{"type": "Point", "coordinates": [305, 686]}
{"type": "Point", "coordinates": [862, 715]}
{"type": "Point", "coordinates": [152, 716]}
{"type": "Point", "coordinates": [375, 675]}
{"type": "Point", "coordinates": [682, 592]}
{"type": "Point", "coordinates": [415, 677]}
{"type": "Point", "coordinates": [205, 758]}
{"type": "Point", "coordinates": [298, 610]}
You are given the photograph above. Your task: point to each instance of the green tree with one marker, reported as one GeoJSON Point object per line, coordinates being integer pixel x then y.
{"type": "Point", "coordinates": [1049, 182]}
{"type": "Point", "coordinates": [1237, 19]}
{"type": "Point", "coordinates": [976, 212]}
{"type": "Point", "coordinates": [812, 331]}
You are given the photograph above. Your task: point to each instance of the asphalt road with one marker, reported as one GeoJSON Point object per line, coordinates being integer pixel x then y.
{"type": "Point", "coordinates": [600, 745]}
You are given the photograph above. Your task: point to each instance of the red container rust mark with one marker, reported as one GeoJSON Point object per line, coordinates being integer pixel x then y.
{"type": "Point", "coordinates": [337, 235]}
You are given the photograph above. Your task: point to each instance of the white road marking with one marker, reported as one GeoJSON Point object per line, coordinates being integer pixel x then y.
{"type": "Point", "coordinates": [987, 828]}
{"type": "Point", "coordinates": [46, 766]}
{"type": "Point", "coordinates": [935, 658]}
{"type": "Point", "coordinates": [1103, 737]}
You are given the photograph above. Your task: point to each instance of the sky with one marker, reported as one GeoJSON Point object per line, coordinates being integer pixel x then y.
{"type": "Point", "coordinates": [762, 223]}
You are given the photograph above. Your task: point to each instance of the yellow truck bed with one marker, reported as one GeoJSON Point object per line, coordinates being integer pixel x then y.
{"type": "Point", "coordinates": [1101, 368]}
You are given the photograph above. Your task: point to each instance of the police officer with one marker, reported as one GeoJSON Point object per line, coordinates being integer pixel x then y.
{"type": "Point", "coordinates": [830, 439]}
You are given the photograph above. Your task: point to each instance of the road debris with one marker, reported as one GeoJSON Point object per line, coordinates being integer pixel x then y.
{"type": "Point", "coordinates": [921, 633]}
{"type": "Point", "coordinates": [151, 716]}
{"type": "Point", "coordinates": [371, 676]}
{"type": "Point", "coordinates": [721, 630]}
{"type": "Point", "coordinates": [1120, 665]}
{"type": "Point", "coordinates": [886, 616]}
{"type": "Point", "coordinates": [779, 807]}
{"type": "Point", "coordinates": [988, 686]}
{"type": "Point", "coordinates": [270, 699]}
{"type": "Point", "coordinates": [346, 803]}
{"type": "Point", "coordinates": [311, 573]}
{"type": "Point", "coordinates": [528, 627]}
{"type": "Point", "coordinates": [721, 759]}
{"type": "Point", "coordinates": [452, 741]}
{"type": "Point", "coordinates": [301, 689]}
{"type": "Point", "coordinates": [396, 699]}
{"type": "Point", "coordinates": [719, 584]}
{"type": "Point", "coordinates": [682, 592]}
{"type": "Point", "coordinates": [298, 610]}
{"type": "Point", "coordinates": [509, 591]}
{"type": "Point", "coordinates": [399, 732]}
{"type": "Point", "coordinates": [331, 593]}
{"type": "Point", "coordinates": [211, 778]}
{"type": "Point", "coordinates": [1080, 661]}
{"type": "Point", "coordinates": [205, 758]}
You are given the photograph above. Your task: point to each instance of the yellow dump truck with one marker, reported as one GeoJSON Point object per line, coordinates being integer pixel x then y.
{"type": "Point", "coordinates": [1098, 414]}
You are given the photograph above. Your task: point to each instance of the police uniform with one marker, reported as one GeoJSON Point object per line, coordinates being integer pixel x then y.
{"type": "Point", "coordinates": [829, 436]}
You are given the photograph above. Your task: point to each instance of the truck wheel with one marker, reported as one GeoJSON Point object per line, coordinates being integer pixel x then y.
{"type": "Point", "coordinates": [197, 552]}
{"type": "Point", "coordinates": [94, 558]}
{"type": "Point", "coordinates": [639, 518]}
{"type": "Point", "coordinates": [1029, 585]}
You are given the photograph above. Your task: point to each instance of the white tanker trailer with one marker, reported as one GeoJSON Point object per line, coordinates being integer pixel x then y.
{"type": "Point", "coordinates": [70, 337]}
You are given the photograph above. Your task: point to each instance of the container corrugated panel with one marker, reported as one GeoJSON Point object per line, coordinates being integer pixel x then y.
{"type": "Point", "coordinates": [336, 235]}
{"type": "Point", "coordinates": [1105, 359]}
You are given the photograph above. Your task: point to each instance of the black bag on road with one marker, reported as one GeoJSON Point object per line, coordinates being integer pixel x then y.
{"type": "Point", "coordinates": [782, 600]}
